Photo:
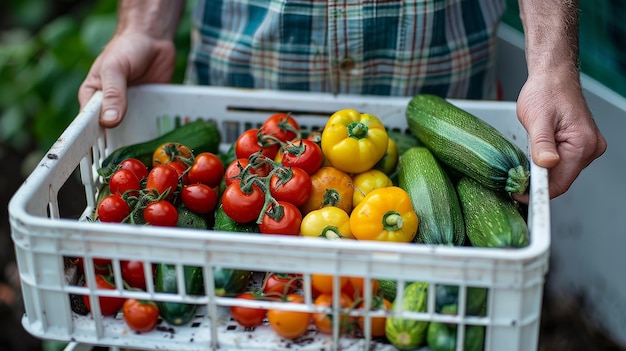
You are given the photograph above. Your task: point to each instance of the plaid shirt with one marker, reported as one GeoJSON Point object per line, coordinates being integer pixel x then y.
{"type": "Point", "coordinates": [371, 47]}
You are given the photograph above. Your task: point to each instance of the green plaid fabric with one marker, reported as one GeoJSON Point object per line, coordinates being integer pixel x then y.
{"type": "Point", "coordinates": [370, 47]}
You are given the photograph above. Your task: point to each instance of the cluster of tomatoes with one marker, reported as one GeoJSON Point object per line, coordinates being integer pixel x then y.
{"type": "Point", "coordinates": [270, 179]}
{"type": "Point", "coordinates": [291, 324]}
{"type": "Point", "coordinates": [139, 194]}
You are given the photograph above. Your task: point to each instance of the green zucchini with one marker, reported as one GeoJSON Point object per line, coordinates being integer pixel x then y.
{"type": "Point", "coordinates": [408, 334]}
{"type": "Point", "coordinates": [476, 299]}
{"type": "Point", "coordinates": [198, 135]}
{"type": "Point", "coordinates": [442, 337]}
{"type": "Point", "coordinates": [468, 144]}
{"type": "Point", "coordinates": [230, 282]}
{"type": "Point", "coordinates": [434, 198]}
{"type": "Point", "coordinates": [176, 313]}
{"type": "Point", "coordinates": [224, 223]}
{"type": "Point", "coordinates": [492, 218]}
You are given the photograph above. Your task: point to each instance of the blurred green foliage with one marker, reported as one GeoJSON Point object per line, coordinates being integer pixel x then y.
{"type": "Point", "coordinates": [45, 54]}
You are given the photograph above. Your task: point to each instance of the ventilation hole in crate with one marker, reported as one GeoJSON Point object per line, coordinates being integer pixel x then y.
{"type": "Point", "coordinates": [231, 327]}
{"type": "Point", "coordinates": [321, 114]}
{"type": "Point", "coordinates": [195, 324]}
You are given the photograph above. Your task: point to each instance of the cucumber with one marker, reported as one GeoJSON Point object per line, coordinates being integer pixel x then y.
{"type": "Point", "coordinates": [442, 337]}
{"type": "Point", "coordinates": [190, 219]}
{"type": "Point", "coordinates": [434, 198]}
{"type": "Point", "coordinates": [388, 288]}
{"type": "Point", "coordinates": [226, 224]}
{"type": "Point", "coordinates": [198, 135]}
{"type": "Point", "coordinates": [230, 282]}
{"type": "Point", "coordinates": [408, 334]}
{"type": "Point", "coordinates": [176, 313]}
{"type": "Point", "coordinates": [476, 299]}
{"type": "Point", "coordinates": [491, 217]}
{"type": "Point", "coordinates": [468, 144]}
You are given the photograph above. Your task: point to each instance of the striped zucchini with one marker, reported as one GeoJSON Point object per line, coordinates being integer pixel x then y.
{"type": "Point", "coordinates": [491, 216]}
{"type": "Point", "coordinates": [433, 196]}
{"type": "Point", "coordinates": [468, 144]}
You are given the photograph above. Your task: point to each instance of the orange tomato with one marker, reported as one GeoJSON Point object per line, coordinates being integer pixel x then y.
{"type": "Point", "coordinates": [377, 324]}
{"type": "Point", "coordinates": [324, 320]}
{"type": "Point", "coordinates": [356, 287]}
{"type": "Point", "coordinates": [171, 152]}
{"type": "Point", "coordinates": [289, 324]}
{"type": "Point", "coordinates": [324, 283]}
{"type": "Point", "coordinates": [330, 187]}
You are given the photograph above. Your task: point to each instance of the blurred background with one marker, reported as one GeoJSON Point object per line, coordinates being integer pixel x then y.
{"type": "Point", "coordinates": [47, 47]}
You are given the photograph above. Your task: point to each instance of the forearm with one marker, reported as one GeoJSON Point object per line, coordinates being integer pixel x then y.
{"type": "Point", "coordinates": [551, 32]}
{"type": "Point", "coordinates": [156, 18]}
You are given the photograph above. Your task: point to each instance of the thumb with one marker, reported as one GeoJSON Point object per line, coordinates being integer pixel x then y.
{"type": "Point", "coordinates": [113, 99]}
{"type": "Point", "coordinates": [543, 146]}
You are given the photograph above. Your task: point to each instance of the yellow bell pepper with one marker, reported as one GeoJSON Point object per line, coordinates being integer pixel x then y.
{"type": "Point", "coordinates": [354, 142]}
{"type": "Point", "coordinates": [385, 214]}
{"type": "Point", "coordinates": [329, 222]}
{"type": "Point", "coordinates": [368, 181]}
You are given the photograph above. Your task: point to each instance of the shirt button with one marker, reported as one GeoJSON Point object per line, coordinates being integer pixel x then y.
{"type": "Point", "coordinates": [347, 64]}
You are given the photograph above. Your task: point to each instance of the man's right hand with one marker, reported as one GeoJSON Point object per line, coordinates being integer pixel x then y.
{"type": "Point", "coordinates": [128, 59]}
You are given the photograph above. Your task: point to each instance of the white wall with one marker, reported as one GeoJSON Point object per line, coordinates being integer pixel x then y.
{"type": "Point", "coordinates": [588, 253]}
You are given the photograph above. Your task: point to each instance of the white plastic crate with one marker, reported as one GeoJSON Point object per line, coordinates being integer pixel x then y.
{"type": "Point", "coordinates": [514, 278]}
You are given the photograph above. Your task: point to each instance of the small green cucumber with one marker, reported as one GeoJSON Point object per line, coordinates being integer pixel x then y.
{"type": "Point", "coordinates": [492, 218]}
{"type": "Point", "coordinates": [199, 135]}
{"type": "Point", "coordinates": [433, 196]}
{"type": "Point", "coordinates": [177, 313]}
{"type": "Point", "coordinates": [468, 144]}
{"type": "Point", "coordinates": [408, 334]}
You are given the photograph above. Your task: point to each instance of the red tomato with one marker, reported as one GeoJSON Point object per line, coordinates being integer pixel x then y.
{"type": "Point", "coordinates": [108, 305]}
{"type": "Point", "coordinates": [295, 189]}
{"type": "Point", "coordinates": [134, 165]}
{"type": "Point", "coordinates": [207, 169]}
{"type": "Point", "coordinates": [182, 170]}
{"type": "Point", "coordinates": [161, 213]}
{"type": "Point", "coordinates": [113, 209]}
{"type": "Point", "coordinates": [133, 273]}
{"type": "Point", "coordinates": [289, 324]}
{"type": "Point", "coordinates": [162, 178]}
{"type": "Point", "coordinates": [289, 224]}
{"type": "Point", "coordinates": [140, 316]}
{"type": "Point", "coordinates": [279, 284]}
{"type": "Point", "coordinates": [303, 153]}
{"type": "Point", "coordinates": [248, 143]}
{"type": "Point", "coordinates": [242, 207]}
{"type": "Point", "coordinates": [199, 198]}
{"type": "Point", "coordinates": [124, 181]}
{"type": "Point", "coordinates": [324, 320]}
{"type": "Point", "coordinates": [282, 126]}
{"type": "Point", "coordinates": [234, 169]}
{"type": "Point", "coordinates": [101, 265]}
{"type": "Point", "coordinates": [247, 316]}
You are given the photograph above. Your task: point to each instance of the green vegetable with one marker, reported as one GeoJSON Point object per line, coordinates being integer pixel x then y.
{"type": "Point", "coordinates": [165, 281]}
{"type": "Point", "coordinates": [442, 337]}
{"type": "Point", "coordinates": [388, 288]}
{"type": "Point", "coordinates": [447, 295]}
{"type": "Point", "coordinates": [224, 223]}
{"type": "Point", "coordinates": [198, 135]}
{"type": "Point", "coordinates": [230, 282]}
{"type": "Point", "coordinates": [491, 217]}
{"type": "Point", "coordinates": [433, 196]}
{"type": "Point", "coordinates": [408, 334]}
{"type": "Point", "coordinates": [403, 141]}
{"type": "Point", "coordinates": [190, 219]}
{"type": "Point", "coordinates": [468, 144]}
